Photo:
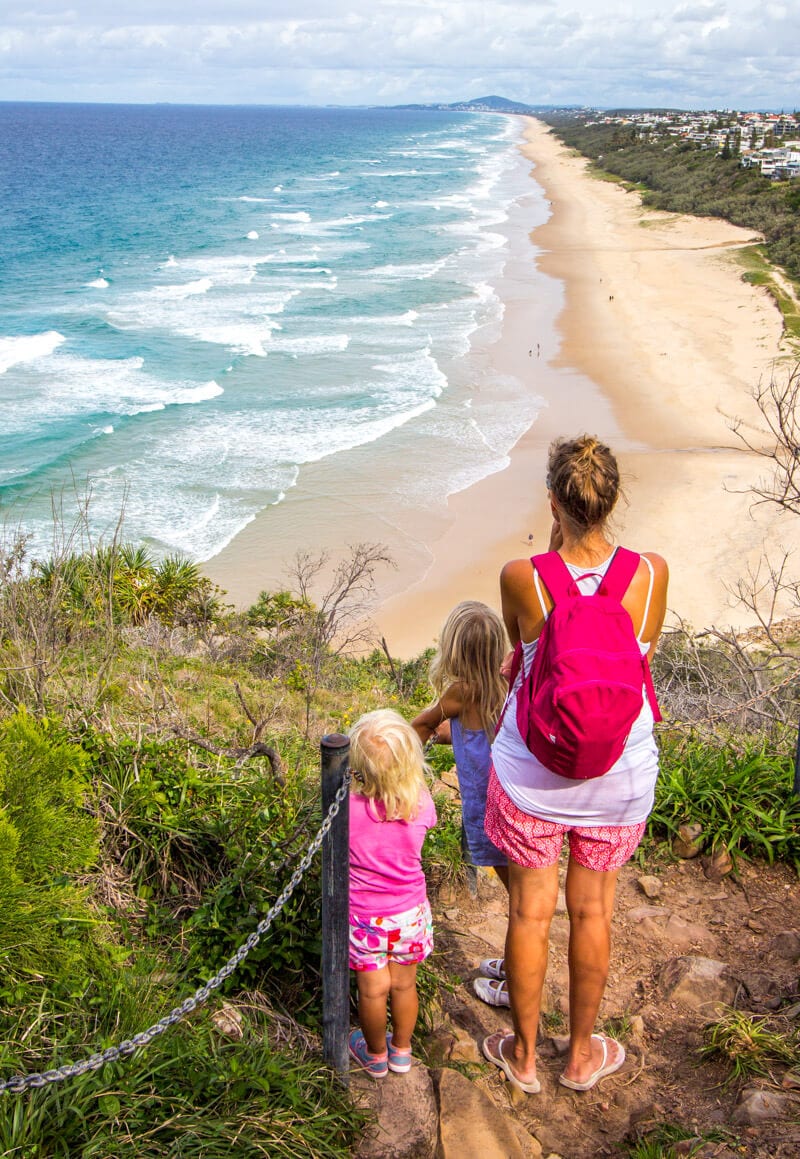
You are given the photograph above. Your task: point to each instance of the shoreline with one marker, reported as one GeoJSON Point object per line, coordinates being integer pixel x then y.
{"type": "Point", "coordinates": [648, 338]}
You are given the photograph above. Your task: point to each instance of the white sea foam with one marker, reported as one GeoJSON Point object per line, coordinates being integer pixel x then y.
{"type": "Point", "coordinates": [252, 235]}
{"type": "Point", "coordinates": [62, 386]}
{"type": "Point", "coordinates": [300, 215]}
{"type": "Point", "coordinates": [98, 284]}
{"type": "Point", "coordinates": [311, 344]}
{"type": "Point", "coordinates": [186, 290]}
{"type": "Point", "coordinates": [28, 348]}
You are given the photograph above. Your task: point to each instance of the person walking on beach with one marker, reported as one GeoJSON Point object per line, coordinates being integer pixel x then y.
{"type": "Point", "coordinates": [466, 674]}
{"type": "Point", "coordinates": [391, 928]}
{"type": "Point", "coordinates": [530, 808]}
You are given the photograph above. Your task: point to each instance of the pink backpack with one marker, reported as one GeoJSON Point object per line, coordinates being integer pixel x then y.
{"type": "Point", "coordinates": [576, 706]}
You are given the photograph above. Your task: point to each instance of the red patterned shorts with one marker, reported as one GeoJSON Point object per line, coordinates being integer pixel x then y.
{"type": "Point", "coordinates": [535, 844]}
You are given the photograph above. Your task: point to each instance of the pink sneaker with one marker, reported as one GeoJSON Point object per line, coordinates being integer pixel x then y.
{"type": "Point", "coordinates": [399, 1059]}
{"type": "Point", "coordinates": [374, 1064]}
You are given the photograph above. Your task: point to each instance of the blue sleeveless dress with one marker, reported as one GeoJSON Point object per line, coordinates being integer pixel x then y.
{"type": "Point", "coordinates": [472, 751]}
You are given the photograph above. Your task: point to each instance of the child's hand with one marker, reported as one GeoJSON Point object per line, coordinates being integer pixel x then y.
{"type": "Point", "coordinates": [505, 667]}
{"type": "Point", "coordinates": [442, 734]}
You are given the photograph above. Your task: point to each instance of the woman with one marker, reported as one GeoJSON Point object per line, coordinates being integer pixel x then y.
{"type": "Point", "coordinates": [530, 808]}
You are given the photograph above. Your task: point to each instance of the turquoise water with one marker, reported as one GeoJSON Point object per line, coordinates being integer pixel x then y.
{"type": "Point", "coordinates": [197, 302]}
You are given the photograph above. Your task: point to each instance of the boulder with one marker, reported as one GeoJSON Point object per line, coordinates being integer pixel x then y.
{"type": "Point", "coordinates": [718, 865]}
{"type": "Point", "coordinates": [685, 935]}
{"type": "Point", "coordinates": [650, 885]}
{"type": "Point", "coordinates": [406, 1117]}
{"type": "Point", "coordinates": [755, 1106]}
{"type": "Point", "coordinates": [700, 983]}
{"type": "Point", "coordinates": [471, 1126]}
{"type": "Point", "coordinates": [786, 945]}
{"type": "Point", "coordinates": [689, 841]}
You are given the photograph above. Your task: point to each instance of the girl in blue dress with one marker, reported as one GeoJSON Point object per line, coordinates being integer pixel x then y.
{"type": "Point", "coordinates": [466, 674]}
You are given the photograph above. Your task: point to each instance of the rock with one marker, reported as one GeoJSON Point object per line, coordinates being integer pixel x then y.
{"type": "Point", "coordinates": [560, 1043]}
{"type": "Point", "coordinates": [687, 1146]}
{"type": "Point", "coordinates": [228, 1021]}
{"type": "Point", "coordinates": [689, 841]}
{"type": "Point", "coordinates": [531, 1147]}
{"type": "Point", "coordinates": [637, 1028]}
{"type": "Point", "coordinates": [700, 983]}
{"type": "Point", "coordinates": [640, 912]}
{"type": "Point", "coordinates": [688, 935]}
{"type": "Point", "coordinates": [450, 778]}
{"type": "Point", "coordinates": [464, 1048]}
{"type": "Point", "coordinates": [717, 865]}
{"type": "Point", "coordinates": [492, 930]}
{"type": "Point", "coordinates": [439, 1044]}
{"type": "Point", "coordinates": [517, 1098]}
{"type": "Point", "coordinates": [791, 1081]}
{"type": "Point", "coordinates": [650, 885]}
{"type": "Point", "coordinates": [407, 1118]}
{"type": "Point", "coordinates": [756, 927]}
{"type": "Point", "coordinates": [756, 1106]}
{"type": "Point", "coordinates": [471, 1126]}
{"type": "Point", "coordinates": [787, 945]}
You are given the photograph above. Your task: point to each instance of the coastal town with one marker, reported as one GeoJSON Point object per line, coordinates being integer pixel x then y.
{"type": "Point", "coordinates": [767, 141]}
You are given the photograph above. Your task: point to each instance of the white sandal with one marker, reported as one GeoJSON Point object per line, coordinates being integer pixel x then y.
{"type": "Point", "coordinates": [493, 967]}
{"type": "Point", "coordinates": [493, 991]}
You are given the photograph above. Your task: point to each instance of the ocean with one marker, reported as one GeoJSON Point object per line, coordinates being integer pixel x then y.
{"type": "Point", "coordinates": [197, 303]}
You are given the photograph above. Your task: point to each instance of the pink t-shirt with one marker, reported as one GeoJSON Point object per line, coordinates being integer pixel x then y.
{"type": "Point", "coordinates": [385, 868]}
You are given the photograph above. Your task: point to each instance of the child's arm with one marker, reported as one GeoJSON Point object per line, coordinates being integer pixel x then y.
{"type": "Point", "coordinates": [448, 705]}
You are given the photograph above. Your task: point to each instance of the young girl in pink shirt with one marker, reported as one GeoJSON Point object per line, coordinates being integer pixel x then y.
{"type": "Point", "coordinates": [390, 919]}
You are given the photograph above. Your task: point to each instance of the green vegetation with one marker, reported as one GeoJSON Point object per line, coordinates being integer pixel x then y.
{"type": "Point", "coordinates": [749, 1045]}
{"type": "Point", "coordinates": [681, 177]}
{"type": "Point", "coordinates": [159, 781]}
{"type": "Point", "coordinates": [659, 1143]}
{"type": "Point", "coordinates": [742, 797]}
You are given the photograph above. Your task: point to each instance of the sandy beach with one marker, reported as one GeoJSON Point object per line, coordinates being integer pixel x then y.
{"type": "Point", "coordinates": [653, 342]}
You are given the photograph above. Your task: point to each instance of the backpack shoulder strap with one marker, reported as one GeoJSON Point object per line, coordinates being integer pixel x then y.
{"type": "Point", "coordinates": [620, 572]}
{"type": "Point", "coordinates": [555, 574]}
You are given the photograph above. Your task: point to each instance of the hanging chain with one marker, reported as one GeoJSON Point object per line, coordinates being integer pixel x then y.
{"type": "Point", "coordinates": [19, 1083]}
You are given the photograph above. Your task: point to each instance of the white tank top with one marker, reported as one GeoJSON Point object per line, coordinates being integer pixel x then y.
{"type": "Point", "coordinates": [622, 796]}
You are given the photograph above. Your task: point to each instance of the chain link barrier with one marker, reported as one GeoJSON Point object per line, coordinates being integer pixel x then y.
{"type": "Point", "coordinates": [19, 1083]}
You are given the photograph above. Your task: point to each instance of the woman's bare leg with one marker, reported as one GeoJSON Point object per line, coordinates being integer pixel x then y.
{"type": "Point", "coordinates": [590, 902]}
{"type": "Point", "coordinates": [531, 905]}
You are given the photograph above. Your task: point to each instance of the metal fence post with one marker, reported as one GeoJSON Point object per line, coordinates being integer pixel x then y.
{"type": "Point", "coordinates": [335, 750]}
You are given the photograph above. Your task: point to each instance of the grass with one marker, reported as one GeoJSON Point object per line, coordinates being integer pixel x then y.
{"type": "Point", "coordinates": [659, 1143]}
{"type": "Point", "coordinates": [743, 800]}
{"type": "Point", "coordinates": [758, 271]}
{"type": "Point", "coordinates": [748, 1045]}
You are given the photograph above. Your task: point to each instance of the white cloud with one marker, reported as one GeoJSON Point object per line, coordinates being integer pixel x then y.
{"type": "Point", "coordinates": [707, 52]}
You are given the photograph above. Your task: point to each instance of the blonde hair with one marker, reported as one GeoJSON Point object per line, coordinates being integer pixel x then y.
{"type": "Point", "coordinates": [471, 649]}
{"type": "Point", "coordinates": [583, 478]}
{"type": "Point", "coordinates": [387, 760]}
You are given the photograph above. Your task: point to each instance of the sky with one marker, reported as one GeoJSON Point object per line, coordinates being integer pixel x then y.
{"type": "Point", "coordinates": [603, 53]}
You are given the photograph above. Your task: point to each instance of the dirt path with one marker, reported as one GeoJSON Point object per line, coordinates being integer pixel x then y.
{"type": "Point", "coordinates": [664, 1081]}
